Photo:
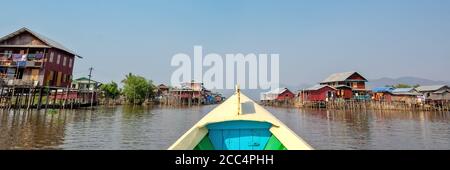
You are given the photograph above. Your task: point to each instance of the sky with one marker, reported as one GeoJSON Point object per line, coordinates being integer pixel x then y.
{"type": "Point", "coordinates": [314, 38]}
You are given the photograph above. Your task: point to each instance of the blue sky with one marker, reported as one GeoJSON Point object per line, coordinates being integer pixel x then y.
{"type": "Point", "coordinates": [379, 38]}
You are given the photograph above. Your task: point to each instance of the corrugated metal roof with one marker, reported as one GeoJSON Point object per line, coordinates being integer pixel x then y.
{"type": "Point", "coordinates": [46, 40]}
{"type": "Point", "coordinates": [337, 77]}
{"type": "Point", "coordinates": [405, 91]}
{"type": "Point", "coordinates": [277, 91]}
{"type": "Point", "coordinates": [430, 88]}
{"type": "Point", "coordinates": [383, 89]}
{"type": "Point", "coordinates": [442, 91]}
{"type": "Point", "coordinates": [317, 87]}
{"type": "Point", "coordinates": [84, 79]}
{"type": "Point", "coordinates": [25, 46]}
{"type": "Point", "coordinates": [273, 94]}
{"type": "Point", "coordinates": [402, 90]}
{"type": "Point", "coordinates": [408, 93]}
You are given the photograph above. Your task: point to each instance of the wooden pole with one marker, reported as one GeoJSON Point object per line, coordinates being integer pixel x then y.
{"type": "Point", "coordinates": [28, 98]}
{"type": "Point", "coordinates": [47, 99]}
{"type": "Point", "coordinates": [1, 97]}
{"type": "Point", "coordinates": [67, 96]}
{"type": "Point", "coordinates": [17, 100]}
{"type": "Point", "coordinates": [54, 100]}
{"type": "Point", "coordinates": [33, 97]}
{"type": "Point", "coordinates": [39, 106]}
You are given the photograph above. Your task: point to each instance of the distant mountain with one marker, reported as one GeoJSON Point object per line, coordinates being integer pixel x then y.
{"type": "Point", "coordinates": [403, 80]}
{"type": "Point", "coordinates": [255, 94]}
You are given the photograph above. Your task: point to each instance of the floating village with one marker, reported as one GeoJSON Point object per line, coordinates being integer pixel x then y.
{"type": "Point", "coordinates": [348, 91]}
{"type": "Point", "coordinates": [37, 73]}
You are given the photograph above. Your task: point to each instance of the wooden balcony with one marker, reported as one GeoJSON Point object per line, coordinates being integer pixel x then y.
{"type": "Point", "coordinates": [34, 64]}
{"type": "Point", "coordinates": [17, 82]}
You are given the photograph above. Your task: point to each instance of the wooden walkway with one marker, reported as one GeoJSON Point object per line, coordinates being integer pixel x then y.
{"type": "Point", "coordinates": [43, 97]}
{"type": "Point", "coordinates": [375, 105]}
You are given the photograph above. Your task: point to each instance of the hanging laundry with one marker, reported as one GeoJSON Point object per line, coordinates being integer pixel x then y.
{"type": "Point", "coordinates": [31, 56]}
{"type": "Point", "coordinates": [17, 57]}
{"type": "Point", "coordinates": [39, 56]}
{"type": "Point", "coordinates": [21, 64]}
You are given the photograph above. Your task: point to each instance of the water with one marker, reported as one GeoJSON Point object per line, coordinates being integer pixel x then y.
{"type": "Point", "coordinates": [156, 128]}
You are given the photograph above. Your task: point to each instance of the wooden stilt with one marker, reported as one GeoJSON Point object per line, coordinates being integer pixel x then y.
{"type": "Point", "coordinates": [33, 97]}
{"type": "Point", "coordinates": [48, 98]}
{"type": "Point", "coordinates": [54, 99]}
{"type": "Point", "coordinates": [65, 99]}
{"type": "Point", "coordinates": [39, 106]}
{"type": "Point", "coordinates": [1, 97]}
{"type": "Point", "coordinates": [17, 100]}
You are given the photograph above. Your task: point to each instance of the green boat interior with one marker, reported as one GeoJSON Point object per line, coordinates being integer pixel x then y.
{"type": "Point", "coordinates": [240, 135]}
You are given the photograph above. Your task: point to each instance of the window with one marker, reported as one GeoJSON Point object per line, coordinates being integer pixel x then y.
{"type": "Point", "coordinates": [51, 57]}
{"type": "Point", "coordinates": [57, 59]}
{"type": "Point", "coordinates": [7, 54]}
{"type": "Point", "coordinates": [64, 61]}
{"type": "Point", "coordinates": [70, 63]}
{"type": "Point", "coordinates": [355, 84]}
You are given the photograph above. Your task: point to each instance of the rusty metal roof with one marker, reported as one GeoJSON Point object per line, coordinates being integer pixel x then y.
{"type": "Point", "coordinates": [337, 77]}
{"type": "Point", "coordinates": [48, 41]}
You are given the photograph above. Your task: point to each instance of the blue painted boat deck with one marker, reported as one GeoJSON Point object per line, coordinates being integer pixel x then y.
{"type": "Point", "coordinates": [239, 135]}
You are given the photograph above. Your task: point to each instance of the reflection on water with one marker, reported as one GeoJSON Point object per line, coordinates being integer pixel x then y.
{"type": "Point", "coordinates": [150, 128]}
{"type": "Point", "coordinates": [31, 130]}
{"type": "Point", "coordinates": [370, 129]}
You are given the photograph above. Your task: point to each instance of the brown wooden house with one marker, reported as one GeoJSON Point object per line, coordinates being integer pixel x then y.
{"type": "Point", "coordinates": [189, 92]}
{"type": "Point", "coordinates": [346, 80]}
{"type": "Point", "coordinates": [344, 92]}
{"type": "Point", "coordinates": [437, 93]}
{"type": "Point", "coordinates": [406, 95]}
{"type": "Point", "coordinates": [318, 93]}
{"type": "Point", "coordinates": [382, 94]}
{"type": "Point", "coordinates": [162, 90]}
{"type": "Point", "coordinates": [27, 57]}
{"type": "Point", "coordinates": [279, 94]}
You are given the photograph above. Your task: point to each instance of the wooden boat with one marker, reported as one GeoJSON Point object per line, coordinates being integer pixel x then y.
{"type": "Point", "coordinates": [240, 124]}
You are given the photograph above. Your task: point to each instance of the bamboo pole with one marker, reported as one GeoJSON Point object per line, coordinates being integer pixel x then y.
{"type": "Point", "coordinates": [39, 106]}
{"type": "Point", "coordinates": [48, 98]}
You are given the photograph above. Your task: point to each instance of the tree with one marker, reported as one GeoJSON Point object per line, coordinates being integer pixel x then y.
{"type": "Point", "coordinates": [402, 86]}
{"type": "Point", "coordinates": [137, 89]}
{"type": "Point", "coordinates": [151, 91]}
{"type": "Point", "coordinates": [111, 90]}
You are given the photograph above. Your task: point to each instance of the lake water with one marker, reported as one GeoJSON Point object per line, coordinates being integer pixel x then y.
{"type": "Point", "coordinates": [156, 128]}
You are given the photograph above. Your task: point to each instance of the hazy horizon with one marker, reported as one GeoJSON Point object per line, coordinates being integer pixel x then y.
{"type": "Point", "coordinates": [403, 38]}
